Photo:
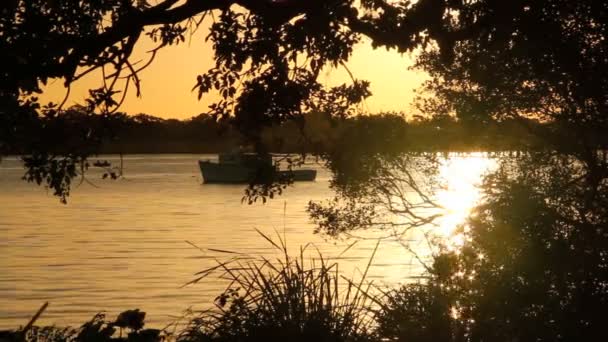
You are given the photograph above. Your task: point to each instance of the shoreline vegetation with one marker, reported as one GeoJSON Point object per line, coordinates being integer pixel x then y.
{"type": "Point", "coordinates": [291, 298]}
{"type": "Point", "coordinates": [527, 76]}
{"type": "Point", "coordinates": [313, 133]}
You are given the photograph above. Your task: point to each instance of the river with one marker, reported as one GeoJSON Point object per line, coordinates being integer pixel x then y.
{"type": "Point", "coordinates": [134, 242]}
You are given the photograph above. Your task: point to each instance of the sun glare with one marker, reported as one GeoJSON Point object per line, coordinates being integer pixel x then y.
{"type": "Point", "coordinates": [460, 190]}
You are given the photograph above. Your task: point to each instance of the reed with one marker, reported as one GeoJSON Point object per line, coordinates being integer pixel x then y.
{"type": "Point", "coordinates": [286, 299]}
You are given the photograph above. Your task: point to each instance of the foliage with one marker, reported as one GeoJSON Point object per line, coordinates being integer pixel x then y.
{"type": "Point", "coordinates": [288, 299]}
{"type": "Point", "coordinates": [57, 145]}
{"type": "Point", "coordinates": [98, 329]}
{"type": "Point", "coordinates": [395, 194]}
{"type": "Point", "coordinates": [533, 264]}
{"type": "Point", "coordinates": [416, 313]}
{"type": "Point", "coordinates": [543, 60]}
{"type": "Point", "coordinates": [535, 67]}
{"type": "Point", "coordinates": [266, 72]}
{"type": "Point", "coordinates": [532, 267]}
{"type": "Point", "coordinates": [321, 135]}
{"type": "Point", "coordinates": [367, 156]}
{"type": "Point", "coordinates": [542, 236]}
{"type": "Point", "coordinates": [488, 59]}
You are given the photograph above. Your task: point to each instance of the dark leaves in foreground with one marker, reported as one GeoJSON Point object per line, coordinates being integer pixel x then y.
{"type": "Point", "coordinates": [128, 327]}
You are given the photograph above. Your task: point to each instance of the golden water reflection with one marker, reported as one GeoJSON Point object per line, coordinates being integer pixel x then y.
{"type": "Point", "coordinates": [461, 178]}
{"type": "Point", "coordinates": [123, 245]}
{"type": "Point", "coordinates": [458, 191]}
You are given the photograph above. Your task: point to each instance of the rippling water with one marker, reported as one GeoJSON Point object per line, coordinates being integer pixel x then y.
{"type": "Point", "coordinates": [127, 244]}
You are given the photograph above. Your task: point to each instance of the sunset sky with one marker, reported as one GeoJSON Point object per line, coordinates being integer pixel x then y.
{"type": "Point", "coordinates": [167, 83]}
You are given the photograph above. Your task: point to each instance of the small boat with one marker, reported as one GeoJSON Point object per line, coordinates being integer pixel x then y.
{"type": "Point", "coordinates": [249, 168]}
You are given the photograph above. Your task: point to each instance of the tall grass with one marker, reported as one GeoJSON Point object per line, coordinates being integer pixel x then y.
{"type": "Point", "coordinates": [302, 298]}
{"type": "Point", "coordinates": [286, 299]}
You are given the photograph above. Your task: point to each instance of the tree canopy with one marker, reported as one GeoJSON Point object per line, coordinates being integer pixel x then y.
{"type": "Point", "coordinates": [533, 265]}
{"type": "Point", "coordinates": [488, 59]}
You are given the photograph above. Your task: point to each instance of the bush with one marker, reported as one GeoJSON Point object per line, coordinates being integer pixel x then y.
{"type": "Point", "coordinates": [289, 299]}
{"type": "Point", "coordinates": [416, 313]}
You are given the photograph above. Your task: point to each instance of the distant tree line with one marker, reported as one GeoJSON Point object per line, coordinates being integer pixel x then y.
{"type": "Point", "coordinates": [317, 133]}
{"type": "Point", "coordinates": [144, 133]}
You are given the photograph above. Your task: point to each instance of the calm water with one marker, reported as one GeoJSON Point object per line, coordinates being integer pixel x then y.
{"type": "Point", "coordinates": [124, 244]}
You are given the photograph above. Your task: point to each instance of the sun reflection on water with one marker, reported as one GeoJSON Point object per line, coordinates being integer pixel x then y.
{"type": "Point", "coordinates": [84, 257]}
{"type": "Point", "coordinates": [460, 191]}
{"type": "Point", "coordinates": [459, 178]}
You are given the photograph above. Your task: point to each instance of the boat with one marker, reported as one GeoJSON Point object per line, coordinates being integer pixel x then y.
{"type": "Point", "coordinates": [235, 168]}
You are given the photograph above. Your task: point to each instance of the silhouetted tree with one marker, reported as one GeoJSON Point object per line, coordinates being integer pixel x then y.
{"type": "Point", "coordinates": [496, 57]}
{"type": "Point", "coordinates": [540, 60]}
{"type": "Point", "coordinates": [533, 266]}
{"type": "Point", "coordinates": [518, 62]}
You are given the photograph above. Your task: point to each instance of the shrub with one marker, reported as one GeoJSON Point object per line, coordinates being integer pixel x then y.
{"type": "Point", "coordinates": [288, 299]}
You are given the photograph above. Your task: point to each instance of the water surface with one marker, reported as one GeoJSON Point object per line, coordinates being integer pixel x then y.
{"type": "Point", "coordinates": [128, 243]}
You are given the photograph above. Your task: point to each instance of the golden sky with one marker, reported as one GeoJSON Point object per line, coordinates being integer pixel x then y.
{"type": "Point", "coordinates": [166, 84]}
